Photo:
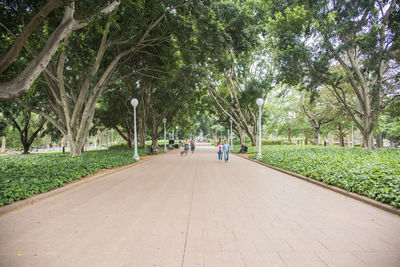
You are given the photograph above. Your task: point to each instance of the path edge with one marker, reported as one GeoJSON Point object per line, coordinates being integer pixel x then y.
{"type": "Point", "coordinates": [355, 196]}
{"type": "Point", "coordinates": [83, 180]}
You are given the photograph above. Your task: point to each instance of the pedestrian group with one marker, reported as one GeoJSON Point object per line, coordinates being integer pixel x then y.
{"type": "Point", "coordinates": [223, 149]}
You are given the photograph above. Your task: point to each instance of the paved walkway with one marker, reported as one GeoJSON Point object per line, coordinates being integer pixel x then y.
{"type": "Point", "coordinates": [196, 211]}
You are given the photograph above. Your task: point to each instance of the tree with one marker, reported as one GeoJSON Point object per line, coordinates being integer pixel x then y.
{"type": "Point", "coordinates": [115, 111]}
{"type": "Point", "coordinates": [23, 80]}
{"type": "Point", "coordinates": [29, 125]}
{"type": "Point", "coordinates": [235, 93]}
{"type": "Point", "coordinates": [81, 73]}
{"type": "Point", "coordinates": [315, 39]}
{"type": "Point", "coordinates": [232, 31]}
{"type": "Point", "coordinates": [319, 111]}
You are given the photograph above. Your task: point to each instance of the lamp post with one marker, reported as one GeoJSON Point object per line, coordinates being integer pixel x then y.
{"type": "Point", "coordinates": [231, 120]}
{"type": "Point", "coordinates": [134, 103]}
{"type": "Point", "coordinates": [165, 135]}
{"type": "Point", "coordinates": [259, 102]}
{"type": "Point", "coordinates": [352, 136]}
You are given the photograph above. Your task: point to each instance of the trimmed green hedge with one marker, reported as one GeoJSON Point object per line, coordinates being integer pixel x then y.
{"type": "Point", "coordinates": [26, 175]}
{"type": "Point", "coordinates": [375, 174]}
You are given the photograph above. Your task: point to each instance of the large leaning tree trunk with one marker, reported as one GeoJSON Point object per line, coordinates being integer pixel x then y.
{"type": "Point", "coordinates": [24, 80]}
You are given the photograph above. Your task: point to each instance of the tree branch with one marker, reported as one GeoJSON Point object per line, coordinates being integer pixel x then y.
{"type": "Point", "coordinates": [8, 58]}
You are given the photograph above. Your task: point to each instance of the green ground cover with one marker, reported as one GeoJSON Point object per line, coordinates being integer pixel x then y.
{"type": "Point", "coordinates": [25, 175]}
{"type": "Point", "coordinates": [375, 174]}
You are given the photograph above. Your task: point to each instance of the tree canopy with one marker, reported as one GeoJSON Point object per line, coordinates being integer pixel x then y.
{"type": "Point", "coordinates": [185, 60]}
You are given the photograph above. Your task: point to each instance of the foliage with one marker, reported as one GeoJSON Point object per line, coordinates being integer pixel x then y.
{"type": "Point", "coordinates": [273, 142]}
{"type": "Point", "coordinates": [21, 118]}
{"type": "Point", "coordinates": [3, 126]}
{"type": "Point", "coordinates": [122, 146]}
{"type": "Point", "coordinates": [24, 176]}
{"type": "Point", "coordinates": [375, 174]}
{"type": "Point", "coordinates": [331, 43]}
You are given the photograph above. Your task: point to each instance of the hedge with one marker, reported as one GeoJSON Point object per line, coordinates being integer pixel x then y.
{"type": "Point", "coordinates": [375, 174]}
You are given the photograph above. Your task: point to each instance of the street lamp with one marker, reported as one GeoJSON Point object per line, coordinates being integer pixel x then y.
{"type": "Point", "coordinates": [134, 103]}
{"type": "Point", "coordinates": [165, 135]}
{"type": "Point", "coordinates": [352, 136]}
{"type": "Point", "coordinates": [259, 102]}
{"type": "Point", "coordinates": [231, 120]}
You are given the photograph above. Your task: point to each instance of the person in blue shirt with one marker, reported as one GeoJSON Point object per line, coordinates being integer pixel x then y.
{"type": "Point", "coordinates": [226, 148]}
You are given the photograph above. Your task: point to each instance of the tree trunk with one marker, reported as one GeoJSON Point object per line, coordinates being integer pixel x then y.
{"type": "Point", "coordinates": [86, 146]}
{"type": "Point", "coordinates": [142, 138]}
{"type": "Point", "coordinates": [100, 137]}
{"type": "Point", "coordinates": [306, 139]}
{"type": "Point", "coordinates": [253, 140]}
{"type": "Point", "coordinates": [379, 140]}
{"type": "Point", "coordinates": [368, 140]}
{"type": "Point", "coordinates": [348, 140]}
{"type": "Point", "coordinates": [316, 136]}
{"type": "Point", "coordinates": [141, 126]}
{"type": "Point", "coordinates": [129, 143]}
{"type": "Point", "coordinates": [3, 144]}
{"type": "Point", "coordinates": [154, 136]}
{"type": "Point", "coordinates": [289, 132]}
{"type": "Point", "coordinates": [26, 148]}
{"type": "Point", "coordinates": [154, 132]}
{"type": "Point", "coordinates": [341, 135]}
{"type": "Point", "coordinates": [76, 150]}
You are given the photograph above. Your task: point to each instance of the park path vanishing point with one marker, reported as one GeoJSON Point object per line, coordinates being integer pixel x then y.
{"type": "Point", "coordinates": [195, 211]}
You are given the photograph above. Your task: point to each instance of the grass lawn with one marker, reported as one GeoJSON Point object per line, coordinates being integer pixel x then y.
{"type": "Point", "coordinates": [22, 176]}
{"type": "Point", "coordinates": [375, 174]}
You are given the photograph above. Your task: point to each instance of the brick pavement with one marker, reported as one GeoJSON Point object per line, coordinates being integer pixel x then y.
{"type": "Point", "coordinates": [196, 211]}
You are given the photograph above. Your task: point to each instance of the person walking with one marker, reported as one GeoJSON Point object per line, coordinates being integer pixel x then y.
{"type": "Point", "coordinates": [192, 146]}
{"type": "Point", "coordinates": [186, 146]}
{"type": "Point", "coordinates": [226, 148]}
{"type": "Point", "coordinates": [219, 146]}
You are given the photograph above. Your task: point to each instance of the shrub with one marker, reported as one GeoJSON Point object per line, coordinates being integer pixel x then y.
{"type": "Point", "coordinates": [272, 142]}
{"type": "Point", "coordinates": [123, 146]}
{"type": "Point", "coordinates": [375, 174]}
{"type": "Point", "coordinates": [25, 175]}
